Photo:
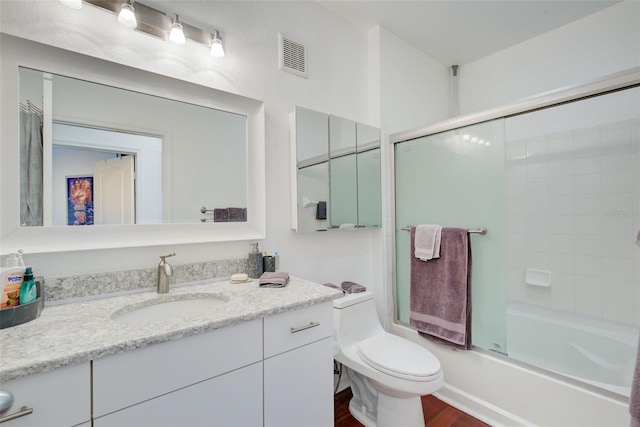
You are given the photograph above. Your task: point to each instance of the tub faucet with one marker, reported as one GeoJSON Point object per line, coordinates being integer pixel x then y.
{"type": "Point", "coordinates": [164, 272]}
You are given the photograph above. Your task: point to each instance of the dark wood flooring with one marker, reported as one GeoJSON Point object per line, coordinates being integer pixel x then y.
{"type": "Point", "coordinates": [436, 413]}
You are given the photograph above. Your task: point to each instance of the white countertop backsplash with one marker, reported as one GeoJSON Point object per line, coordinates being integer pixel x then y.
{"type": "Point", "coordinates": [78, 332]}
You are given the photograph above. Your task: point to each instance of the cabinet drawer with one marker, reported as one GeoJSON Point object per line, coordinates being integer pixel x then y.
{"type": "Point", "coordinates": [285, 331]}
{"type": "Point", "coordinates": [61, 397]}
{"type": "Point", "coordinates": [129, 378]}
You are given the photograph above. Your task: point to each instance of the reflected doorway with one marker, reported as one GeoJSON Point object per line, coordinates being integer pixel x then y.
{"type": "Point", "coordinates": [124, 172]}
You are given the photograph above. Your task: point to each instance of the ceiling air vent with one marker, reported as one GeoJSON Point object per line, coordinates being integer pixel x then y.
{"type": "Point", "coordinates": [293, 56]}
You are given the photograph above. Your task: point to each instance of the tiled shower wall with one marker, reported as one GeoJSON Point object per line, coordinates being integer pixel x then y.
{"type": "Point", "coordinates": [573, 208]}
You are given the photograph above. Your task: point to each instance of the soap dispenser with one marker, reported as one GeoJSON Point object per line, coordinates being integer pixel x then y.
{"type": "Point", "coordinates": [255, 261]}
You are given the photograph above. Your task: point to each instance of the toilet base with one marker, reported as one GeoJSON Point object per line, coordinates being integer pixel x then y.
{"type": "Point", "coordinates": [392, 412]}
{"type": "Point", "coordinates": [399, 411]}
{"type": "Point", "coordinates": [375, 405]}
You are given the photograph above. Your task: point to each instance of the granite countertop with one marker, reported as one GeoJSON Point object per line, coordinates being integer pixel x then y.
{"type": "Point", "coordinates": [78, 332]}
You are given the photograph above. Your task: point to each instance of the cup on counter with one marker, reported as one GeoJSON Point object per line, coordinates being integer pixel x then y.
{"type": "Point", "coordinates": [269, 263]}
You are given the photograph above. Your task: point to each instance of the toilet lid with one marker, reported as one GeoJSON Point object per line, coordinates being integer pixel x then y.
{"type": "Point", "coordinates": [399, 357]}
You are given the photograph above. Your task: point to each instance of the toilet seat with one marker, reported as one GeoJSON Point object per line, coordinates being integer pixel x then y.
{"type": "Point", "coordinates": [399, 357]}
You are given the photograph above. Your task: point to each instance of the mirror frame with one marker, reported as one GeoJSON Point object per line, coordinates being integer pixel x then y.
{"type": "Point", "coordinates": [17, 52]}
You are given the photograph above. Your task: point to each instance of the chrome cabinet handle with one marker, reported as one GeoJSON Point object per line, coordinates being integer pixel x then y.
{"type": "Point", "coordinates": [23, 411]}
{"type": "Point", "coordinates": [305, 327]}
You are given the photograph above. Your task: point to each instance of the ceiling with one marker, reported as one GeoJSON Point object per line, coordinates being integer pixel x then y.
{"type": "Point", "coordinates": [457, 32]}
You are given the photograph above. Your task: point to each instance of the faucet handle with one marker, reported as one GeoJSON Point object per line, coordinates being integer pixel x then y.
{"type": "Point", "coordinates": [162, 257]}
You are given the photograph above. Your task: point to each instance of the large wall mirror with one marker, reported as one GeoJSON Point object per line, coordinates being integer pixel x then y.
{"type": "Point", "coordinates": [128, 158]}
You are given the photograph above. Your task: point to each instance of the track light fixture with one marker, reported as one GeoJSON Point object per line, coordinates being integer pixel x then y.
{"type": "Point", "coordinates": [176, 35]}
{"type": "Point", "coordinates": [156, 23]}
{"type": "Point", "coordinates": [72, 4]}
{"type": "Point", "coordinates": [217, 50]}
{"type": "Point", "coordinates": [127, 15]}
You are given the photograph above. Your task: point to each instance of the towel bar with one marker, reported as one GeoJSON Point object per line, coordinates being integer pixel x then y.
{"type": "Point", "coordinates": [480, 230]}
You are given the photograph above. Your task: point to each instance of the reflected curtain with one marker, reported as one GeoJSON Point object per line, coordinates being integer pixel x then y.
{"type": "Point", "coordinates": [30, 168]}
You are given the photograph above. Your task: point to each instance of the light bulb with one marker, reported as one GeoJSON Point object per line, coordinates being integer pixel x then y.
{"type": "Point", "coordinates": [216, 46]}
{"type": "Point", "coordinates": [72, 4]}
{"type": "Point", "coordinates": [127, 16]}
{"type": "Point", "coordinates": [176, 35]}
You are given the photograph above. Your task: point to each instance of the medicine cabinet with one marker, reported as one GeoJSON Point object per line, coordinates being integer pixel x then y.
{"type": "Point", "coordinates": [336, 180]}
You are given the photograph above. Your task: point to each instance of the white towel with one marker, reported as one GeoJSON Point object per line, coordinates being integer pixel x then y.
{"type": "Point", "coordinates": [427, 241]}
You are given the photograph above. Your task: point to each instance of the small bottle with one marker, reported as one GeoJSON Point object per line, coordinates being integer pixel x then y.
{"type": "Point", "coordinates": [12, 276]}
{"type": "Point", "coordinates": [28, 290]}
{"type": "Point", "coordinates": [255, 261]}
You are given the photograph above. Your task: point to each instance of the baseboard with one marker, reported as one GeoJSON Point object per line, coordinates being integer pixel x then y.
{"type": "Point", "coordinates": [478, 408]}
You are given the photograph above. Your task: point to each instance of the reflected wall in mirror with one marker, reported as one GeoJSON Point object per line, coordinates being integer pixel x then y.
{"type": "Point", "coordinates": [208, 147]}
{"type": "Point", "coordinates": [182, 156]}
{"type": "Point", "coordinates": [339, 160]}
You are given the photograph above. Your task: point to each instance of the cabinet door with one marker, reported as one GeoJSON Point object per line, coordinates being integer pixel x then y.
{"type": "Point", "coordinates": [232, 399]}
{"type": "Point", "coordinates": [61, 397]}
{"type": "Point", "coordinates": [298, 386]}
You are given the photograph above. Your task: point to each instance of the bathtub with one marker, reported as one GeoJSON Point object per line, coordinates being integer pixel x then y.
{"type": "Point", "coordinates": [593, 351]}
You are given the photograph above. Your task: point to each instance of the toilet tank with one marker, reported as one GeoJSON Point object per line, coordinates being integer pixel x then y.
{"type": "Point", "coordinates": [355, 318]}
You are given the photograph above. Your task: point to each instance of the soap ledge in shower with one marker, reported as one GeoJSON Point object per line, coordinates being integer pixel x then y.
{"type": "Point", "coordinates": [538, 278]}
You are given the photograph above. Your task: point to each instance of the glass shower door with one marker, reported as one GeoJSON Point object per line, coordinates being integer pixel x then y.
{"type": "Point", "coordinates": [457, 179]}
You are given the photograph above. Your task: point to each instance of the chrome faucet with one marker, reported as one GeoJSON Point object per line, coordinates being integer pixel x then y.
{"type": "Point", "coordinates": [164, 272]}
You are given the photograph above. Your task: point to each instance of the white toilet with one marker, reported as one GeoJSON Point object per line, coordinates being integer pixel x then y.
{"type": "Point", "coordinates": [388, 373]}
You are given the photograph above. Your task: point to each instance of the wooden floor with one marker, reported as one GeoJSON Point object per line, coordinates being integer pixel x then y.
{"type": "Point", "coordinates": [436, 413]}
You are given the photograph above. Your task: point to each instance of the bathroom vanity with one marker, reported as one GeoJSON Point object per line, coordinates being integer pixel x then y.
{"type": "Point", "coordinates": [263, 357]}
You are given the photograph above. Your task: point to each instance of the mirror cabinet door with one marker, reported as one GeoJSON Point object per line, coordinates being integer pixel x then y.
{"type": "Point", "coordinates": [369, 189]}
{"type": "Point", "coordinates": [312, 169]}
{"type": "Point", "coordinates": [343, 173]}
{"type": "Point", "coordinates": [344, 192]}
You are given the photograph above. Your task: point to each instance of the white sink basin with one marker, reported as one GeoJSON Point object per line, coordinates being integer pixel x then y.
{"type": "Point", "coordinates": [163, 309]}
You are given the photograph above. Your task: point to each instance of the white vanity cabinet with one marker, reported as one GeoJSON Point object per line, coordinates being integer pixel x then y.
{"type": "Point", "coordinates": [61, 397]}
{"type": "Point", "coordinates": [298, 368]}
{"type": "Point", "coordinates": [211, 379]}
{"type": "Point", "coordinates": [270, 371]}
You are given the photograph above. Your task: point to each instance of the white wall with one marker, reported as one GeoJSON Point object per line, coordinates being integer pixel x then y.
{"type": "Point", "coordinates": [414, 88]}
{"type": "Point", "coordinates": [597, 45]}
{"type": "Point", "coordinates": [338, 82]}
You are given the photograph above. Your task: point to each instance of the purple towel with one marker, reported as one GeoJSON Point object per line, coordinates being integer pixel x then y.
{"type": "Point", "coordinates": [440, 295]}
{"type": "Point", "coordinates": [273, 279]}
{"type": "Point", "coordinates": [352, 287]}
{"type": "Point", "coordinates": [220, 215]}
{"type": "Point", "coordinates": [237, 214]}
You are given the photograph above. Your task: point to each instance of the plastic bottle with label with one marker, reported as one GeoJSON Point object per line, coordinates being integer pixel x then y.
{"type": "Point", "coordinates": [12, 277]}
{"type": "Point", "coordinates": [28, 290]}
